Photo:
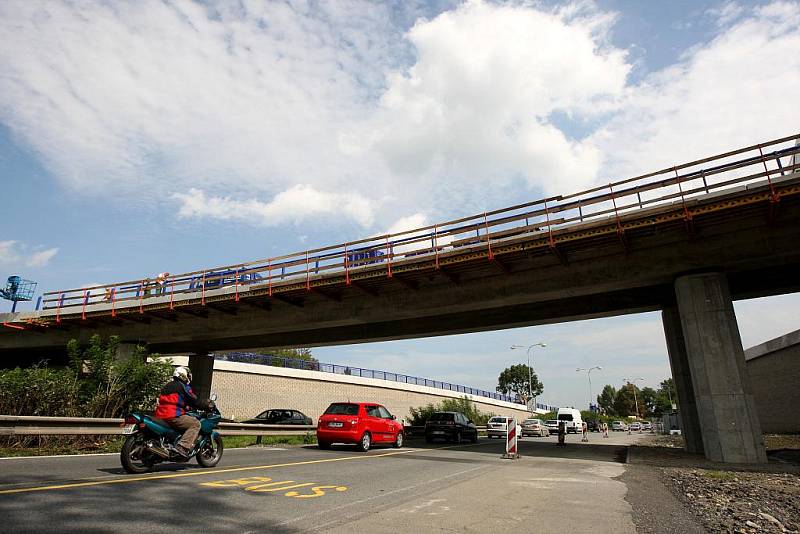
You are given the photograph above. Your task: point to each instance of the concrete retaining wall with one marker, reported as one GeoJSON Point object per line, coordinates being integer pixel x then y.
{"type": "Point", "coordinates": [245, 390]}
{"type": "Point", "coordinates": [774, 369]}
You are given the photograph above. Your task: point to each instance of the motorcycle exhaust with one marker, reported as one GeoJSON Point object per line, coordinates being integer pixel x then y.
{"type": "Point", "coordinates": [158, 451]}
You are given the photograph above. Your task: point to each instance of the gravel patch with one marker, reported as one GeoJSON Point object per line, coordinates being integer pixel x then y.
{"type": "Point", "coordinates": [737, 501]}
{"type": "Point", "coordinates": [655, 509]}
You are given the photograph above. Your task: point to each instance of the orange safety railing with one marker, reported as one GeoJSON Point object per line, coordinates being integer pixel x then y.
{"type": "Point", "coordinates": [681, 184]}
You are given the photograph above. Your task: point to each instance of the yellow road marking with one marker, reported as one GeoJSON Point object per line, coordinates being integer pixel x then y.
{"type": "Point", "coordinates": [317, 492]}
{"type": "Point", "coordinates": [277, 486]}
{"type": "Point", "coordinates": [199, 473]}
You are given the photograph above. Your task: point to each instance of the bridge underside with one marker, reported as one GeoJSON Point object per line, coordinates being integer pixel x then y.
{"type": "Point", "coordinates": [691, 267]}
{"type": "Point", "coordinates": [602, 275]}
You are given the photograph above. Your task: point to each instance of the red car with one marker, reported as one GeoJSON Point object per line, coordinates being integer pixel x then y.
{"type": "Point", "coordinates": [362, 423]}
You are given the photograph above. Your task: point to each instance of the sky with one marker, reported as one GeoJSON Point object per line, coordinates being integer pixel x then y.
{"type": "Point", "coordinates": [138, 137]}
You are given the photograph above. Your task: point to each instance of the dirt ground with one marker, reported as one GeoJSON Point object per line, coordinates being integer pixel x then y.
{"type": "Point", "coordinates": [726, 498]}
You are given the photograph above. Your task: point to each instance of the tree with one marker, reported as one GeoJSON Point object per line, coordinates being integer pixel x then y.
{"type": "Point", "coordinates": [625, 401]}
{"type": "Point", "coordinates": [516, 379]}
{"type": "Point", "coordinates": [648, 402]}
{"type": "Point", "coordinates": [606, 399]}
{"type": "Point", "coordinates": [667, 394]}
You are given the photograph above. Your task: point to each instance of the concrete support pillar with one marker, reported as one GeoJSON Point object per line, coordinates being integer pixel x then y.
{"type": "Point", "coordinates": [679, 363]}
{"type": "Point", "coordinates": [728, 420]}
{"type": "Point", "coordinates": [126, 351]}
{"type": "Point", "coordinates": [202, 366]}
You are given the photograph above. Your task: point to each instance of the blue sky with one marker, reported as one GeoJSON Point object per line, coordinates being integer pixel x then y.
{"type": "Point", "coordinates": [148, 136]}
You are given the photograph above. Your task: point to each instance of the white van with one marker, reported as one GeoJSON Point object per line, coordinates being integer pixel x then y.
{"type": "Point", "coordinates": [572, 417]}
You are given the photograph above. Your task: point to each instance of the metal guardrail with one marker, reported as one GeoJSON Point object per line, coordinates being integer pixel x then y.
{"type": "Point", "coordinates": [308, 365]}
{"type": "Point", "coordinates": [679, 186]}
{"type": "Point", "coordinates": [22, 425]}
{"type": "Point", "coordinates": [25, 425]}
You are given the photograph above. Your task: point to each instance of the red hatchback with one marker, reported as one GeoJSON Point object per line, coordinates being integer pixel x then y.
{"type": "Point", "coordinates": [362, 423]}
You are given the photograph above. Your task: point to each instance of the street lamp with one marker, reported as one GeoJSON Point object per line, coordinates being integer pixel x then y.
{"type": "Point", "coordinates": [589, 376]}
{"type": "Point", "coordinates": [632, 382]}
{"type": "Point", "coordinates": [530, 375]}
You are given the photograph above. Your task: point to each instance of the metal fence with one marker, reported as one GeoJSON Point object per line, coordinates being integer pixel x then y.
{"type": "Point", "coordinates": [309, 365]}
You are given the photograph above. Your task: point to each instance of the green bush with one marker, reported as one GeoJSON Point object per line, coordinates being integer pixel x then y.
{"type": "Point", "coordinates": [420, 415]}
{"type": "Point", "coordinates": [108, 387]}
{"type": "Point", "coordinates": [38, 390]}
{"type": "Point", "coordinates": [94, 384]}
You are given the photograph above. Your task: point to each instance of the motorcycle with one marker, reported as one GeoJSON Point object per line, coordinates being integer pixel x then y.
{"type": "Point", "coordinates": [151, 440]}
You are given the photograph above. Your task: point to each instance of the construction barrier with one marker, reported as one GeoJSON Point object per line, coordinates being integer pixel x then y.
{"type": "Point", "coordinates": [511, 440]}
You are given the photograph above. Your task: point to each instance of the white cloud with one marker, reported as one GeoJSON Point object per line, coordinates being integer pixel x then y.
{"type": "Point", "coordinates": [160, 97]}
{"type": "Point", "coordinates": [460, 113]}
{"type": "Point", "coordinates": [733, 91]}
{"type": "Point", "coordinates": [252, 99]}
{"type": "Point", "coordinates": [14, 254]}
{"type": "Point", "coordinates": [296, 204]}
{"type": "Point", "coordinates": [41, 258]}
{"type": "Point", "coordinates": [725, 13]}
{"type": "Point", "coordinates": [475, 109]}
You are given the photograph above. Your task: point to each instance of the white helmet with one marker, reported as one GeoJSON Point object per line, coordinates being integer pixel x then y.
{"type": "Point", "coordinates": [183, 374]}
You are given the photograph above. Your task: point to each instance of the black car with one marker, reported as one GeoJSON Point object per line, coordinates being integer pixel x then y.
{"type": "Point", "coordinates": [593, 425]}
{"type": "Point", "coordinates": [280, 417]}
{"type": "Point", "coordinates": [450, 426]}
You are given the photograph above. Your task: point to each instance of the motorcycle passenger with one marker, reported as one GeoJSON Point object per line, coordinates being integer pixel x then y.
{"type": "Point", "coordinates": [173, 403]}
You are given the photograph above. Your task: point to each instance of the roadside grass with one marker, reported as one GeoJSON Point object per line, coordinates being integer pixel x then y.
{"type": "Point", "coordinates": [719, 475]}
{"type": "Point", "coordinates": [231, 442]}
{"type": "Point", "coordinates": [58, 448]}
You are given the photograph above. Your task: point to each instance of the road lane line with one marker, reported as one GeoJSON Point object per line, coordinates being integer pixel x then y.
{"type": "Point", "coordinates": [89, 455]}
{"type": "Point", "coordinates": [198, 473]}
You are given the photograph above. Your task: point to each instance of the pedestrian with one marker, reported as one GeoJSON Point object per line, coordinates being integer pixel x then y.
{"type": "Point", "coordinates": [585, 429]}
{"type": "Point", "coordinates": [605, 430]}
{"type": "Point", "coordinates": [146, 287]}
{"type": "Point", "coordinates": [161, 283]}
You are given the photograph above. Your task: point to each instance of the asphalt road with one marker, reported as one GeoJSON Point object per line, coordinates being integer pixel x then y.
{"type": "Point", "coordinates": [422, 488]}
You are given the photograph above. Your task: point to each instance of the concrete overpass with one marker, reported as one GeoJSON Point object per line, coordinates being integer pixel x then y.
{"type": "Point", "coordinates": [686, 240]}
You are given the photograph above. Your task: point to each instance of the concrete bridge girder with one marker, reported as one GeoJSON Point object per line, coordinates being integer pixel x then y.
{"type": "Point", "coordinates": [758, 258]}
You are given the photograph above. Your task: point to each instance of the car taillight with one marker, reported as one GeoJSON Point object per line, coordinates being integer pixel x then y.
{"type": "Point", "coordinates": [130, 420]}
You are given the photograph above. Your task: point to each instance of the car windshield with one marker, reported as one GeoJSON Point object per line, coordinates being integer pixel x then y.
{"type": "Point", "coordinates": [565, 417]}
{"type": "Point", "coordinates": [497, 420]}
{"type": "Point", "coordinates": [342, 409]}
{"type": "Point", "coordinates": [442, 417]}
{"type": "Point", "coordinates": [531, 421]}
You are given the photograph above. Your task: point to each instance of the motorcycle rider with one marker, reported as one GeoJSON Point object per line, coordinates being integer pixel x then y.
{"type": "Point", "coordinates": [173, 403]}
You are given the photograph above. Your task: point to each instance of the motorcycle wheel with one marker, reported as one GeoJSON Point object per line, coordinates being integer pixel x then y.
{"type": "Point", "coordinates": [211, 453]}
{"type": "Point", "coordinates": [134, 456]}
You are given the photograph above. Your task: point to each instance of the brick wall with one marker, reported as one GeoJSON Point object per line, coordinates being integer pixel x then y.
{"type": "Point", "coordinates": [245, 390]}
{"type": "Point", "coordinates": [774, 371]}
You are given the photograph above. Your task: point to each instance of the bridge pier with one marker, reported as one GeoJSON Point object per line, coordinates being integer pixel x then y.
{"type": "Point", "coordinates": [679, 363]}
{"type": "Point", "coordinates": [726, 411]}
{"type": "Point", "coordinates": [126, 351]}
{"type": "Point", "coordinates": [202, 366]}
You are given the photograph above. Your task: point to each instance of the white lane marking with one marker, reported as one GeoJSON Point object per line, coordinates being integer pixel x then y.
{"type": "Point", "coordinates": [59, 456]}
{"type": "Point", "coordinates": [385, 494]}
{"type": "Point", "coordinates": [117, 454]}
{"type": "Point", "coordinates": [418, 507]}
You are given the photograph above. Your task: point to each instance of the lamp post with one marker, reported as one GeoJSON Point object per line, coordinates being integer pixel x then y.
{"type": "Point", "coordinates": [632, 382]}
{"type": "Point", "coordinates": [530, 374]}
{"type": "Point", "coordinates": [589, 376]}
